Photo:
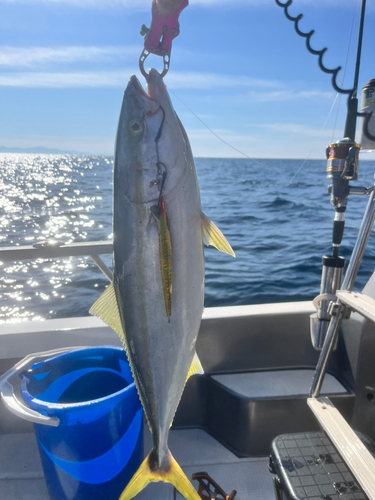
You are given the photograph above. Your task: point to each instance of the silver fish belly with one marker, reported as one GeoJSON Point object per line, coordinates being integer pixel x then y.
{"type": "Point", "coordinates": [155, 302]}
{"type": "Point", "coordinates": [161, 349]}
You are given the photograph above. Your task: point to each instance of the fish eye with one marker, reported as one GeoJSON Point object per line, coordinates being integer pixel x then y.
{"type": "Point", "coordinates": [135, 127]}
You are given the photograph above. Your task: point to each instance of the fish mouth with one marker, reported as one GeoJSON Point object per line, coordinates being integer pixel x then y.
{"type": "Point", "coordinates": [139, 99]}
{"type": "Point", "coordinates": [155, 85]}
{"type": "Point", "coordinates": [135, 85]}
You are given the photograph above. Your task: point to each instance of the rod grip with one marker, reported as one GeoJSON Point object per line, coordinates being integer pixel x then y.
{"type": "Point", "coordinates": [338, 231]}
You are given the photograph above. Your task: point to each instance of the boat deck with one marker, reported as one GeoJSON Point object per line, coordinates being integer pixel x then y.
{"type": "Point", "coordinates": [22, 478]}
{"type": "Point", "coordinates": [264, 376]}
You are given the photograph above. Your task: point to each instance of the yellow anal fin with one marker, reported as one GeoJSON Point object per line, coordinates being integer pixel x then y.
{"type": "Point", "coordinates": [165, 257]}
{"type": "Point", "coordinates": [213, 236]}
{"type": "Point", "coordinates": [196, 367]}
{"type": "Point", "coordinates": [106, 308]}
{"type": "Point", "coordinates": [174, 475]}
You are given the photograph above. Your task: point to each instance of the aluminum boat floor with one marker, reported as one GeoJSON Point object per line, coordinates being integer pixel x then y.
{"type": "Point", "coordinates": [278, 383]}
{"type": "Point", "coordinates": [21, 473]}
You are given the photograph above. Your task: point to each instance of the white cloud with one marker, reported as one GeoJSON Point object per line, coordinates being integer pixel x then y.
{"type": "Point", "coordinates": [204, 144]}
{"type": "Point", "coordinates": [28, 56]}
{"type": "Point", "coordinates": [146, 4]}
{"type": "Point", "coordinates": [100, 4]}
{"type": "Point", "coordinates": [266, 3]}
{"type": "Point", "coordinates": [176, 80]}
{"type": "Point", "coordinates": [194, 80]}
{"type": "Point", "coordinates": [296, 128]}
{"type": "Point", "coordinates": [89, 79]}
{"type": "Point", "coordinates": [225, 135]}
{"type": "Point", "coordinates": [289, 95]}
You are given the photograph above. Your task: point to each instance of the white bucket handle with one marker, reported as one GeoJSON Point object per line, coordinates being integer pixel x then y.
{"type": "Point", "coordinates": [7, 390]}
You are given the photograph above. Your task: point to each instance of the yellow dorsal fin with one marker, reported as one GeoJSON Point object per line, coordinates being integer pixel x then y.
{"type": "Point", "coordinates": [213, 236]}
{"type": "Point", "coordinates": [174, 475]}
{"type": "Point", "coordinates": [196, 367]}
{"type": "Point", "coordinates": [106, 308]}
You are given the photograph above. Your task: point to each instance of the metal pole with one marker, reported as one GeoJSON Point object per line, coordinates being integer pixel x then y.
{"type": "Point", "coordinates": [360, 244]}
{"type": "Point", "coordinates": [359, 47]}
{"type": "Point", "coordinates": [349, 279]}
{"type": "Point", "coordinates": [351, 118]}
{"type": "Point", "coordinates": [104, 269]}
{"type": "Point", "coordinates": [325, 353]}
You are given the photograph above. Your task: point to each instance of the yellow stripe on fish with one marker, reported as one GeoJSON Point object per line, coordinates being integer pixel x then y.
{"type": "Point", "coordinates": [165, 257]}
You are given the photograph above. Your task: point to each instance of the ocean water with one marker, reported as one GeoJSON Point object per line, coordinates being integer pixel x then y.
{"type": "Point", "coordinates": [279, 229]}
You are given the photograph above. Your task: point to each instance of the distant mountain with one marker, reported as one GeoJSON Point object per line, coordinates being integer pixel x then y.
{"type": "Point", "coordinates": [39, 150]}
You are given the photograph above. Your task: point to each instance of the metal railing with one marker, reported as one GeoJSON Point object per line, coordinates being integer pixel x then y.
{"type": "Point", "coordinates": [53, 249]}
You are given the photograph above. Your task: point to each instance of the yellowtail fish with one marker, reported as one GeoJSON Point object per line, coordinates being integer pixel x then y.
{"type": "Point", "coordinates": [155, 302]}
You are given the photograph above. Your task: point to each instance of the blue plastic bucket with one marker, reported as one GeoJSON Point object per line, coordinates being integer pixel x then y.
{"type": "Point", "coordinates": [98, 445]}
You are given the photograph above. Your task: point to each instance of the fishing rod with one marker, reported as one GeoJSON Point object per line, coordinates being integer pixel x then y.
{"type": "Point", "coordinates": [342, 168]}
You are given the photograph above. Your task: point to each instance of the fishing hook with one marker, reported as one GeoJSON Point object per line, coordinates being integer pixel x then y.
{"type": "Point", "coordinates": [158, 162]}
{"type": "Point", "coordinates": [162, 185]}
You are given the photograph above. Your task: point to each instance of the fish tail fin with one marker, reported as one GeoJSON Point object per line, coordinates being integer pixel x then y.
{"type": "Point", "coordinates": [147, 474]}
{"type": "Point", "coordinates": [178, 479]}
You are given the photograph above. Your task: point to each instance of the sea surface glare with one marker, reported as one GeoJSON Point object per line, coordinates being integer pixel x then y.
{"type": "Point", "coordinates": [279, 230]}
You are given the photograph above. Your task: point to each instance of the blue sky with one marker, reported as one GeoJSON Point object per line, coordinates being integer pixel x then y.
{"type": "Point", "coordinates": [239, 65]}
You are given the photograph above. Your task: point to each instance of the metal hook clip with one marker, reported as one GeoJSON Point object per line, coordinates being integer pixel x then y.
{"type": "Point", "coordinates": [145, 54]}
{"type": "Point", "coordinates": [158, 38]}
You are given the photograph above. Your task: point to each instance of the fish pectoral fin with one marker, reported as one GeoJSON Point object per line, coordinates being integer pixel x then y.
{"type": "Point", "coordinates": [106, 308]}
{"type": "Point", "coordinates": [173, 475]}
{"type": "Point", "coordinates": [212, 235]}
{"type": "Point", "coordinates": [196, 367]}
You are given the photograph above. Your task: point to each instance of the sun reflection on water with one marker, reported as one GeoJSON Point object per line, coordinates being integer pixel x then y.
{"type": "Point", "coordinates": [45, 197]}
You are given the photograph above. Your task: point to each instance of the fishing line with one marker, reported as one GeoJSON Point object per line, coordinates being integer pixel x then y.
{"type": "Point", "coordinates": [157, 138]}
{"type": "Point", "coordinates": [312, 149]}
{"type": "Point", "coordinates": [212, 132]}
{"type": "Point", "coordinates": [159, 163]}
{"type": "Point", "coordinates": [337, 95]}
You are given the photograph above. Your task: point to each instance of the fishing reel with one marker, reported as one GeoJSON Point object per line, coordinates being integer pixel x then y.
{"type": "Point", "coordinates": [342, 167]}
